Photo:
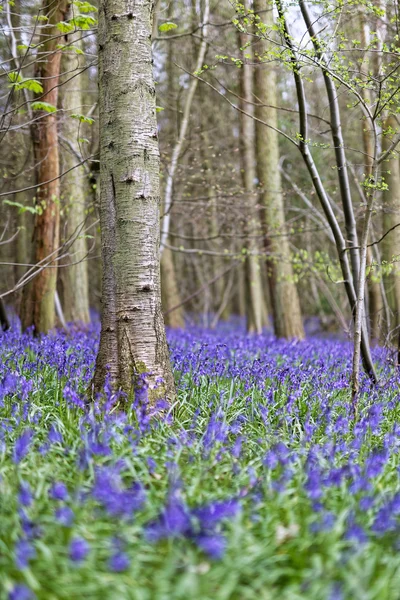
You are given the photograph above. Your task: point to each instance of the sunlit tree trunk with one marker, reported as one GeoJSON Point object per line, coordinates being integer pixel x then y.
{"type": "Point", "coordinates": [73, 279]}
{"type": "Point", "coordinates": [283, 292]}
{"type": "Point", "coordinates": [38, 298]}
{"type": "Point", "coordinates": [133, 338]}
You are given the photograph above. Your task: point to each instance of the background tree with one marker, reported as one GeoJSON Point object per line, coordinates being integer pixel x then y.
{"type": "Point", "coordinates": [38, 309]}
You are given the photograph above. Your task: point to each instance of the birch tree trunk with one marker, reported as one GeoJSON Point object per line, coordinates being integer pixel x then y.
{"type": "Point", "coordinates": [133, 338]}
{"type": "Point", "coordinates": [73, 279]}
{"type": "Point", "coordinates": [38, 298]}
{"type": "Point", "coordinates": [283, 292]}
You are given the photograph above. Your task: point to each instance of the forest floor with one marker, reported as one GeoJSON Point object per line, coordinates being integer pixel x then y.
{"type": "Point", "coordinates": [258, 484]}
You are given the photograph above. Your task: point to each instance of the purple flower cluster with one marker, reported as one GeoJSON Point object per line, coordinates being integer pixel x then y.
{"type": "Point", "coordinates": [264, 422]}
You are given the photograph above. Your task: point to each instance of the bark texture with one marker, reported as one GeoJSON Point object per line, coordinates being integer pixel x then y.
{"type": "Point", "coordinates": [253, 279]}
{"type": "Point", "coordinates": [73, 279]}
{"type": "Point", "coordinates": [133, 338]}
{"type": "Point", "coordinates": [375, 296]}
{"type": "Point", "coordinates": [391, 217]}
{"type": "Point", "coordinates": [283, 292]}
{"type": "Point", "coordinates": [38, 298]}
{"type": "Point", "coordinates": [170, 292]}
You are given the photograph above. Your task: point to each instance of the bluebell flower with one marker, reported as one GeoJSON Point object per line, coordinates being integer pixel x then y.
{"type": "Point", "coordinates": [25, 494]}
{"type": "Point", "coordinates": [21, 592]}
{"type": "Point", "coordinates": [58, 491]}
{"type": "Point", "coordinates": [24, 552]}
{"type": "Point", "coordinates": [22, 445]}
{"type": "Point", "coordinates": [119, 561]}
{"type": "Point", "coordinates": [78, 549]}
{"type": "Point", "coordinates": [64, 515]}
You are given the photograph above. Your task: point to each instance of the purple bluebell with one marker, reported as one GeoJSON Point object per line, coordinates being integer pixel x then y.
{"type": "Point", "coordinates": [22, 445]}
{"type": "Point", "coordinates": [64, 515]}
{"type": "Point", "coordinates": [21, 592]}
{"type": "Point", "coordinates": [58, 491]}
{"type": "Point", "coordinates": [78, 549]}
{"type": "Point", "coordinates": [24, 553]}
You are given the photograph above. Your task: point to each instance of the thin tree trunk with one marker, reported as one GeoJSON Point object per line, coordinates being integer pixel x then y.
{"type": "Point", "coordinates": [376, 303]}
{"type": "Point", "coordinates": [283, 292]}
{"type": "Point", "coordinates": [170, 292]}
{"type": "Point", "coordinates": [73, 279]}
{"type": "Point", "coordinates": [38, 299]}
{"type": "Point", "coordinates": [391, 217]}
{"type": "Point", "coordinates": [340, 242]}
{"type": "Point", "coordinates": [253, 280]}
{"type": "Point", "coordinates": [133, 338]}
{"type": "Point", "coordinates": [183, 130]}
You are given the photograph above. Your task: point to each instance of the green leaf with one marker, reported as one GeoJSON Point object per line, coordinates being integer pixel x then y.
{"type": "Point", "coordinates": [43, 106]}
{"type": "Point", "coordinates": [14, 77]}
{"type": "Point", "coordinates": [42, 18]}
{"type": "Point", "coordinates": [69, 47]}
{"type": "Point", "coordinates": [85, 23]}
{"type": "Point", "coordinates": [84, 7]}
{"type": "Point", "coordinates": [83, 141]}
{"type": "Point", "coordinates": [22, 207]}
{"type": "Point", "coordinates": [22, 47]}
{"type": "Point", "coordinates": [82, 118]}
{"type": "Point", "coordinates": [159, 109]}
{"type": "Point", "coordinates": [65, 27]}
{"type": "Point", "coordinates": [29, 84]}
{"type": "Point", "coordinates": [167, 26]}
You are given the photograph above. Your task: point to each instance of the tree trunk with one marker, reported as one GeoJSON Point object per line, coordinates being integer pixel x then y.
{"type": "Point", "coordinates": [283, 292]}
{"type": "Point", "coordinates": [253, 281]}
{"type": "Point", "coordinates": [133, 338]}
{"type": "Point", "coordinates": [73, 279]}
{"type": "Point", "coordinates": [391, 217]}
{"type": "Point", "coordinates": [376, 305]}
{"type": "Point", "coordinates": [170, 292]}
{"type": "Point", "coordinates": [38, 298]}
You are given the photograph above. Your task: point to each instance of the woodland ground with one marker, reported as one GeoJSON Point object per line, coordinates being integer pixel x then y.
{"type": "Point", "coordinates": [256, 485]}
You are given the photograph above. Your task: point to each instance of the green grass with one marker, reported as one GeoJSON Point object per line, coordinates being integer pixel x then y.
{"type": "Point", "coordinates": [272, 552]}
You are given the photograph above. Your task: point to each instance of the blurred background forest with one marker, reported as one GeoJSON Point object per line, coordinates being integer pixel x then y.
{"type": "Point", "coordinates": [243, 230]}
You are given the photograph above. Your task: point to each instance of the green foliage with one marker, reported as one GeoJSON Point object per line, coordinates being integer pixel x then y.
{"type": "Point", "coordinates": [84, 7]}
{"type": "Point", "coordinates": [22, 208]}
{"type": "Point", "coordinates": [79, 22]}
{"type": "Point", "coordinates": [69, 48]}
{"type": "Point", "coordinates": [168, 26]}
{"type": "Point", "coordinates": [20, 83]}
{"type": "Point", "coordinates": [82, 118]}
{"type": "Point", "coordinates": [43, 106]}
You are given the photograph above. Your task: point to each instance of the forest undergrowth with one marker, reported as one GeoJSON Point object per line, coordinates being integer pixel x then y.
{"type": "Point", "coordinates": [256, 484]}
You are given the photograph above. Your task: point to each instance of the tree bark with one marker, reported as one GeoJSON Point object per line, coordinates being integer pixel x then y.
{"type": "Point", "coordinates": [253, 280]}
{"type": "Point", "coordinates": [170, 292]}
{"type": "Point", "coordinates": [391, 217]}
{"type": "Point", "coordinates": [283, 292]}
{"type": "Point", "coordinates": [376, 303]}
{"type": "Point", "coordinates": [73, 279]}
{"type": "Point", "coordinates": [133, 338]}
{"type": "Point", "coordinates": [38, 298]}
